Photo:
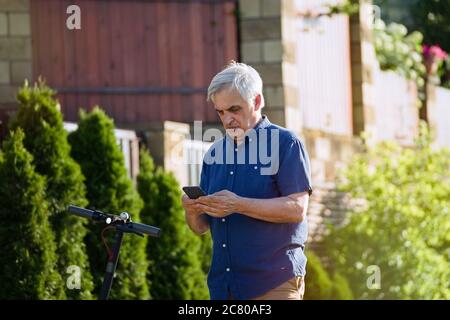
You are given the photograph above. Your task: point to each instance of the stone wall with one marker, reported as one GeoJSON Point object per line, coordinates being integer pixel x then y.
{"type": "Point", "coordinates": [15, 49]}
{"type": "Point", "coordinates": [327, 206]}
{"type": "Point", "coordinates": [328, 154]}
{"type": "Point", "coordinates": [268, 44]}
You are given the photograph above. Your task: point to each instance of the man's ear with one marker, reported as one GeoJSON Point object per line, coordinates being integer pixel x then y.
{"type": "Point", "coordinates": [258, 102]}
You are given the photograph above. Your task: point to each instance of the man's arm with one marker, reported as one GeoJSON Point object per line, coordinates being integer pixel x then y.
{"type": "Point", "coordinates": [289, 209]}
{"type": "Point", "coordinates": [195, 218]}
{"type": "Point", "coordinates": [279, 210]}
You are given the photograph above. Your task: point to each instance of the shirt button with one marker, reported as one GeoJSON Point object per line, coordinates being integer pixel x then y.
{"type": "Point", "coordinates": [236, 149]}
{"type": "Point", "coordinates": [223, 219]}
{"type": "Point", "coordinates": [224, 245]}
{"type": "Point", "coordinates": [250, 139]}
{"type": "Point", "coordinates": [256, 167]}
{"type": "Point", "coordinates": [228, 269]}
{"type": "Point", "coordinates": [231, 172]}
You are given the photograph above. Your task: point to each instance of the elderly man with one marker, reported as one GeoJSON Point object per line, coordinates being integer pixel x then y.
{"type": "Point", "coordinates": [257, 180]}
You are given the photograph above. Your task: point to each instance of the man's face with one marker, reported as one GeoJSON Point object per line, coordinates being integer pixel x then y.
{"type": "Point", "coordinates": [236, 114]}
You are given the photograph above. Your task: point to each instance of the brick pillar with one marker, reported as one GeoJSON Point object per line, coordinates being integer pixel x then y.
{"type": "Point", "coordinates": [268, 44]}
{"type": "Point", "coordinates": [15, 49]}
{"type": "Point", "coordinates": [364, 62]}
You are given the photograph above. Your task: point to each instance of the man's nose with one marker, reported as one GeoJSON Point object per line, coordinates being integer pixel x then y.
{"type": "Point", "coordinates": [229, 120]}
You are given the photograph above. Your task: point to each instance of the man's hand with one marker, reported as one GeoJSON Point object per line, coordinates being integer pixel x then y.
{"type": "Point", "coordinates": [194, 216]}
{"type": "Point", "coordinates": [190, 205]}
{"type": "Point", "coordinates": [219, 204]}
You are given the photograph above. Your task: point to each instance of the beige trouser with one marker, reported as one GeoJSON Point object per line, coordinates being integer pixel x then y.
{"type": "Point", "coordinates": [292, 289]}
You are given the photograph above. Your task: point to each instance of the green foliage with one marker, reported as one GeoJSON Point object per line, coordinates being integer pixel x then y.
{"type": "Point", "coordinates": [175, 258]}
{"type": "Point", "coordinates": [321, 286]}
{"type": "Point", "coordinates": [341, 288]}
{"type": "Point", "coordinates": [318, 285]}
{"type": "Point", "coordinates": [348, 7]}
{"type": "Point", "coordinates": [28, 259]}
{"type": "Point", "coordinates": [399, 51]}
{"type": "Point", "coordinates": [45, 138]}
{"type": "Point", "coordinates": [444, 73]}
{"type": "Point", "coordinates": [110, 190]}
{"type": "Point", "coordinates": [206, 251]}
{"type": "Point", "coordinates": [430, 18]}
{"type": "Point", "coordinates": [401, 225]}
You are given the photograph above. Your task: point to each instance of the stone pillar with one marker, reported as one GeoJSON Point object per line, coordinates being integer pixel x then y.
{"type": "Point", "coordinates": [15, 49]}
{"type": "Point", "coordinates": [364, 61]}
{"type": "Point", "coordinates": [165, 140]}
{"type": "Point", "coordinates": [268, 44]}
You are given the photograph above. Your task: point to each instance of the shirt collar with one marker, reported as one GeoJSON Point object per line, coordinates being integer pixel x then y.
{"type": "Point", "coordinates": [262, 123]}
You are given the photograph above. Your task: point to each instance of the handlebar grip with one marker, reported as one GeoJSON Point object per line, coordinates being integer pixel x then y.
{"type": "Point", "coordinates": [82, 212]}
{"type": "Point", "coordinates": [145, 229]}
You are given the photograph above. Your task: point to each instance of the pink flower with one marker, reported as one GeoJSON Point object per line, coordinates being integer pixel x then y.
{"type": "Point", "coordinates": [433, 56]}
{"type": "Point", "coordinates": [434, 52]}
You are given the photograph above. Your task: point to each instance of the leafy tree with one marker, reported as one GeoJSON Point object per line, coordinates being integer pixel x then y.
{"type": "Point", "coordinates": [175, 260]}
{"type": "Point", "coordinates": [45, 138]}
{"type": "Point", "coordinates": [432, 18]}
{"type": "Point", "coordinates": [401, 227]}
{"type": "Point", "coordinates": [399, 51]}
{"type": "Point", "coordinates": [27, 267]}
{"type": "Point", "coordinates": [109, 189]}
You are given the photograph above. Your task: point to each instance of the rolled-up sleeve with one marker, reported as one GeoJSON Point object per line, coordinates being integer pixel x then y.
{"type": "Point", "coordinates": [294, 174]}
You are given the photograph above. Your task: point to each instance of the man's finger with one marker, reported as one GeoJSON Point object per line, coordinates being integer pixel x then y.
{"type": "Point", "coordinates": [209, 200]}
{"type": "Point", "coordinates": [221, 193]}
{"type": "Point", "coordinates": [206, 208]}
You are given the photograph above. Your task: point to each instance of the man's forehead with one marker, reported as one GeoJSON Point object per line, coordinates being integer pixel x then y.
{"type": "Point", "coordinates": [226, 98]}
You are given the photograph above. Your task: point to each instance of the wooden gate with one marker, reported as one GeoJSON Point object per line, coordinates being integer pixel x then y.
{"type": "Point", "coordinates": [141, 61]}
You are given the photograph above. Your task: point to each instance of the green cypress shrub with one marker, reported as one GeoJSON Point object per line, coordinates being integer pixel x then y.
{"type": "Point", "coordinates": [109, 189]}
{"type": "Point", "coordinates": [206, 251]}
{"type": "Point", "coordinates": [45, 138]}
{"type": "Point", "coordinates": [28, 259]}
{"type": "Point", "coordinates": [318, 284]}
{"type": "Point", "coordinates": [175, 270]}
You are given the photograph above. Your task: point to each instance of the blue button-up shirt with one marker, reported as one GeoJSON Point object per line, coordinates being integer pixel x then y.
{"type": "Point", "coordinates": [252, 256]}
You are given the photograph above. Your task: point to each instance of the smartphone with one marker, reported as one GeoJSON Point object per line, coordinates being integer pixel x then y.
{"type": "Point", "coordinates": [194, 192]}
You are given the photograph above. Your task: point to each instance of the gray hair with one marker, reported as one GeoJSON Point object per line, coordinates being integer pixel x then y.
{"type": "Point", "coordinates": [240, 77]}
